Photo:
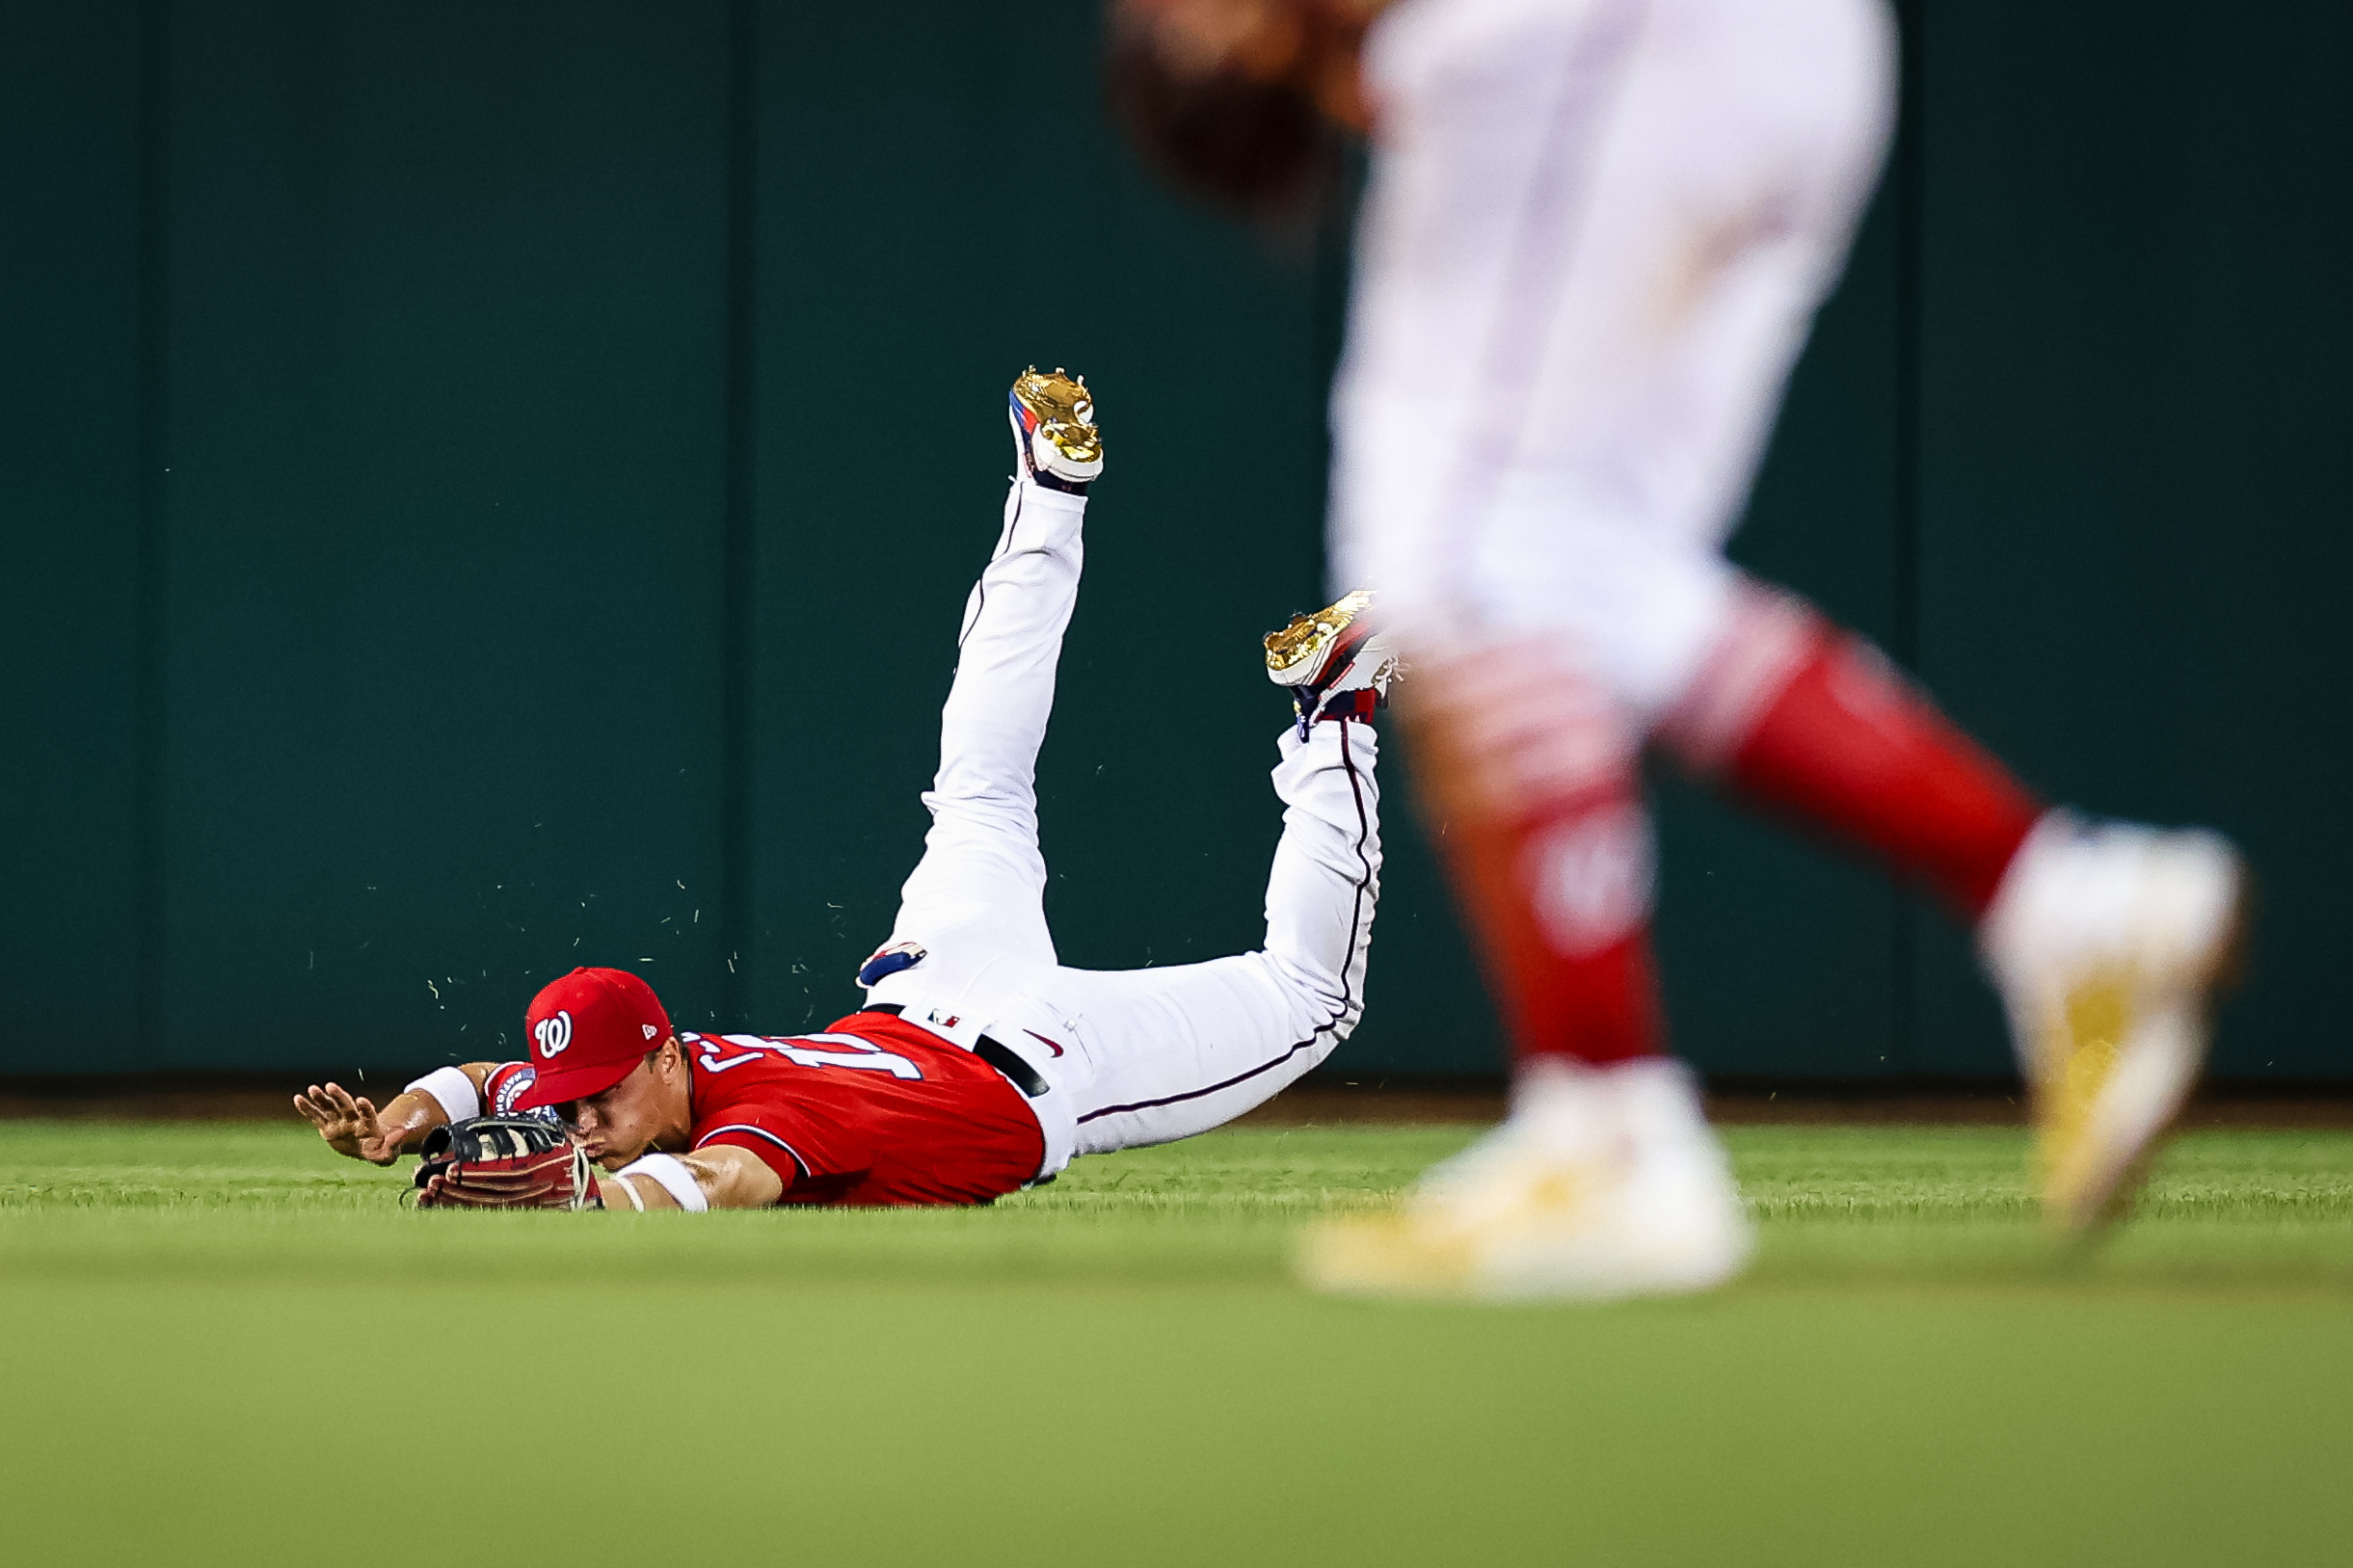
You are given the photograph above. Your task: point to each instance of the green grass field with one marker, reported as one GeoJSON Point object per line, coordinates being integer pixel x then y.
{"type": "Point", "coordinates": [224, 1345]}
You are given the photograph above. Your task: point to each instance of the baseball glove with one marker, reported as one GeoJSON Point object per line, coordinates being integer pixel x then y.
{"type": "Point", "coordinates": [503, 1162]}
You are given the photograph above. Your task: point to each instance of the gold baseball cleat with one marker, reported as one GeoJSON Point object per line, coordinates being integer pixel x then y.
{"type": "Point", "coordinates": [1336, 648]}
{"type": "Point", "coordinates": [1299, 653]}
{"type": "Point", "coordinates": [1054, 427]}
{"type": "Point", "coordinates": [2107, 942]}
{"type": "Point", "coordinates": [1336, 662]}
{"type": "Point", "coordinates": [1602, 1184]}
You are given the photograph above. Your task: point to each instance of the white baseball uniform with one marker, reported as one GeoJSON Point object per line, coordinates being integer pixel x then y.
{"type": "Point", "coordinates": [1132, 1056]}
{"type": "Point", "coordinates": [1595, 236]}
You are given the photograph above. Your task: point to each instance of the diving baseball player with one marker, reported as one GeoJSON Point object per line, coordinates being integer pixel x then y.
{"type": "Point", "coordinates": [1593, 242]}
{"type": "Point", "coordinates": [978, 1064]}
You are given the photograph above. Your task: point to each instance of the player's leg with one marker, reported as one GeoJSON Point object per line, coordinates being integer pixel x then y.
{"type": "Point", "coordinates": [1575, 544]}
{"type": "Point", "coordinates": [1641, 428]}
{"type": "Point", "coordinates": [979, 891]}
{"type": "Point", "coordinates": [1151, 1055]}
{"type": "Point", "coordinates": [1605, 1180]}
{"type": "Point", "coordinates": [1628, 213]}
{"type": "Point", "coordinates": [2105, 939]}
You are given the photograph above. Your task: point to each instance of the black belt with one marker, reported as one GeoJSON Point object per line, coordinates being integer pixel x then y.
{"type": "Point", "coordinates": [1009, 1062]}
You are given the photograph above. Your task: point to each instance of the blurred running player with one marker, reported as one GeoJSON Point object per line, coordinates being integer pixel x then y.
{"type": "Point", "coordinates": [1595, 238]}
{"type": "Point", "coordinates": [979, 1064]}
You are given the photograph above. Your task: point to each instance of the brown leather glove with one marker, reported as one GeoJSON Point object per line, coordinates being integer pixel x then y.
{"type": "Point", "coordinates": [503, 1162]}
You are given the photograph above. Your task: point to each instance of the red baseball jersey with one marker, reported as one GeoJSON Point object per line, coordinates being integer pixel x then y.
{"type": "Point", "coordinates": [873, 1111]}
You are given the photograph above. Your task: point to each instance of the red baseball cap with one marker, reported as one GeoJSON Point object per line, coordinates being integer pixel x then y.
{"type": "Point", "coordinates": [587, 1031]}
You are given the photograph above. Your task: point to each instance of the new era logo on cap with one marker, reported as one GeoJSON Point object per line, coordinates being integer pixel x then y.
{"type": "Point", "coordinates": [588, 1031]}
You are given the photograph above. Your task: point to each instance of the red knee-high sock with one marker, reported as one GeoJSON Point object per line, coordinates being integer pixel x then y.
{"type": "Point", "coordinates": [1530, 784]}
{"type": "Point", "coordinates": [1813, 723]}
{"type": "Point", "coordinates": [1565, 988]}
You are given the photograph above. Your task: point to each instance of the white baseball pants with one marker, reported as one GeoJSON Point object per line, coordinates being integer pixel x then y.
{"type": "Point", "coordinates": [1132, 1056]}
{"type": "Point", "coordinates": [1595, 237]}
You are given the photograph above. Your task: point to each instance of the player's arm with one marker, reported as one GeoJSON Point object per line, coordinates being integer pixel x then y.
{"type": "Point", "coordinates": [556, 1176]}
{"type": "Point", "coordinates": [353, 1127]}
{"type": "Point", "coordinates": [719, 1176]}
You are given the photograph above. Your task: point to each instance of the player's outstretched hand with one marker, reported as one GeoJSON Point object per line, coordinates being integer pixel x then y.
{"type": "Point", "coordinates": [349, 1126]}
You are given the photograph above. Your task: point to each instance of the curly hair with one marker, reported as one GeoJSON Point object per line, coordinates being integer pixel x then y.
{"type": "Point", "coordinates": [1258, 149]}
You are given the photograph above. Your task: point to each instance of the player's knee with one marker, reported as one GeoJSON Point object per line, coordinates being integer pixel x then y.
{"type": "Point", "coordinates": [1319, 1001]}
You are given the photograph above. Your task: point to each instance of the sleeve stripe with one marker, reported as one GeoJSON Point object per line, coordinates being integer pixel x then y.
{"type": "Point", "coordinates": [757, 1132]}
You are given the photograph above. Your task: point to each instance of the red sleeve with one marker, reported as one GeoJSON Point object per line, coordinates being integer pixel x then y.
{"type": "Point", "coordinates": [799, 1149]}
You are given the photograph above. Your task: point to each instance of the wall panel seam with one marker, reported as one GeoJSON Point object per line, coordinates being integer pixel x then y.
{"type": "Point", "coordinates": [739, 541]}
{"type": "Point", "coordinates": [1907, 171]}
{"type": "Point", "coordinates": [151, 587]}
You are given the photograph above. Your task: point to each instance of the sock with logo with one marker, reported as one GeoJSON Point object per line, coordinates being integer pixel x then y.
{"type": "Point", "coordinates": [1529, 777]}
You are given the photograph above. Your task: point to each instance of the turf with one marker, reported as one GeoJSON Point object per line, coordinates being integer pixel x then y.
{"type": "Point", "coordinates": [224, 1345]}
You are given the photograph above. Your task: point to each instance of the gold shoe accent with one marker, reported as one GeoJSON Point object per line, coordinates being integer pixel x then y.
{"type": "Point", "coordinates": [1385, 1255]}
{"type": "Point", "coordinates": [1307, 636]}
{"type": "Point", "coordinates": [1431, 1250]}
{"type": "Point", "coordinates": [2079, 1056]}
{"type": "Point", "coordinates": [1065, 410]}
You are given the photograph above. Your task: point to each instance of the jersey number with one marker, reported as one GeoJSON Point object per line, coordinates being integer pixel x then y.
{"type": "Point", "coordinates": [874, 1058]}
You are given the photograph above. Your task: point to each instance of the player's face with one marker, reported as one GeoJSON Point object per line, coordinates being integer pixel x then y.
{"type": "Point", "coordinates": [628, 1119]}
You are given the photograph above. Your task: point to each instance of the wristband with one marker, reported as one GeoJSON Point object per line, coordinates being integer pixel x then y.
{"type": "Point", "coordinates": [451, 1090]}
{"type": "Point", "coordinates": [629, 1190]}
{"type": "Point", "coordinates": [674, 1178]}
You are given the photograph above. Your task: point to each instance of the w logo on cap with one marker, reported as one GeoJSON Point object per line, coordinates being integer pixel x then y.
{"type": "Point", "coordinates": [553, 1034]}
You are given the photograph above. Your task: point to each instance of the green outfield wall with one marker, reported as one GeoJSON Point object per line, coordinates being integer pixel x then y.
{"type": "Point", "coordinates": [490, 487]}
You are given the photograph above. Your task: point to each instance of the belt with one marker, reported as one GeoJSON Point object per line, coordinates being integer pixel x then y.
{"type": "Point", "coordinates": [1019, 1072]}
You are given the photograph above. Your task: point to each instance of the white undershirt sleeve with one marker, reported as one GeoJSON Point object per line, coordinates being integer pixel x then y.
{"type": "Point", "coordinates": [674, 1178]}
{"type": "Point", "coordinates": [455, 1093]}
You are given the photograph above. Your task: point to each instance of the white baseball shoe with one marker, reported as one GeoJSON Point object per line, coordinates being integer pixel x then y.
{"type": "Point", "coordinates": [2106, 941]}
{"type": "Point", "coordinates": [1604, 1183]}
{"type": "Point", "coordinates": [1054, 440]}
{"type": "Point", "coordinates": [1336, 662]}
